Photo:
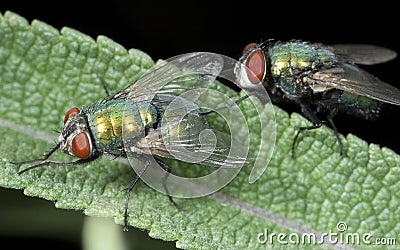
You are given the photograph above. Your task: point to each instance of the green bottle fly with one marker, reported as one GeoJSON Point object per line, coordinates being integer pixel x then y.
{"type": "Point", "coordinates": [319, 78]}
{"type": "Point", "coordinates": [148, 120]}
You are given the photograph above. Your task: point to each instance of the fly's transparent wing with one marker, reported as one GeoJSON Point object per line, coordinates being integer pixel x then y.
{"type": "Point", "coordinates": [352, 79]}
{"type": "Point", "coordinates": [177, 89]}
{"type": "Point", "coordinates": [184, 134]}
{"type": "Point", "coordinates": [364, 53]}
{"type": "Point", "coordinates": [176, 75]}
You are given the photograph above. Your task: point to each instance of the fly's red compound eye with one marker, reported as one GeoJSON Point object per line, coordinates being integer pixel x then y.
{"type": "Point", "coordinates": [255, 66]}
{"type": "Point", "coordinates": [81, 146]}
{"type": "Point", "coordinates": [248, 47]}
{"type": "Point", "coordinates": [70, 112]}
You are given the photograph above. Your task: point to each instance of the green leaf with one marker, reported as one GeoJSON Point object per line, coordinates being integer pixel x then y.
{"type": "Point", "coordinates": [44, 72]}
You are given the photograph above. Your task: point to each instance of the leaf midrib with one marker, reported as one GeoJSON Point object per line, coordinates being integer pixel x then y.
{"type": "Point", "coordinates": [221, 198]}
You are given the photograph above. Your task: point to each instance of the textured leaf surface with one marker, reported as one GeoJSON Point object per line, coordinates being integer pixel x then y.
{"type": "Point", "coordinates": [44, 72]}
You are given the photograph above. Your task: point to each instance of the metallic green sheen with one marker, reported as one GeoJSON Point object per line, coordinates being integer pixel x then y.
{"type": "Point", "coordinates": [288, 60]}
{"type": "Point", "coordinates": [362, 102]}
{"type": "Point", "coordinates": [188, 129]}
{"type": "Point", "coordinates": [291, 57]}
{"type": "Point", "coordinates": [113, 120]}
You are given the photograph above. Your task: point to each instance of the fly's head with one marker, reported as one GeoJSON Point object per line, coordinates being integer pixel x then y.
{"type": "Point", "coordinates": [75, 138]}
{"type": "Point", "coordinates": [251, 69]}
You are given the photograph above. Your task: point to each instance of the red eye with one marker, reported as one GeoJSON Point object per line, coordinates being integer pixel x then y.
{"type": "Point", "coordinates": [248, 47]}
{"type": "Point", "coordinates": [81, 146]}
{"type": "Point", "coordinates": [70, 112]}
{"type": "Point", "coordinates": [255, 66]}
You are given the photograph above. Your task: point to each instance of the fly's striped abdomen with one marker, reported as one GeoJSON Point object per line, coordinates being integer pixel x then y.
{"type": "Point", "coordinates": [360, 105]}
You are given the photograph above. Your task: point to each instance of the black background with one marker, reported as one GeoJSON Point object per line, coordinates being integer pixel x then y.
{"type": "Point", "coordinates": [166, 29]}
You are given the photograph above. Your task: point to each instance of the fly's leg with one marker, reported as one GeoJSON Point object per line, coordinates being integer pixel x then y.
{"type": "Point", "coordinates": [128, 196]}
{"type": "Point", "coordinates": [58, 163]}
{"type": "Point", "coordinates": [131, 186]}
{"type": "Point", "coordinates": [317, 123]}
{"type": "Point", "coordinates": [135, 181]}
{"type": "Point", "coordinates": [44, 158]}
{"type": "Point", "coordinates": [330, 120]}
{"type": "Point", "coordinates": [44, 162]}
{"type": "Point", "coordinates": [103, 84]}
{"type": "Point", "coordinates": [164, 183]}
{"type": "Point", "coordinates": [226, 106]}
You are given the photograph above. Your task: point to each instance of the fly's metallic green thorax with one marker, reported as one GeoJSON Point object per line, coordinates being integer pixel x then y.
{"type": "Point", "coordinates": [290, 61]}
{"type": "Point", "coordinates": [113, 120]}
{"type": "Point", "coordinates": [117, 121]}
{"type": "Point", "coordinates": [292, 58]}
